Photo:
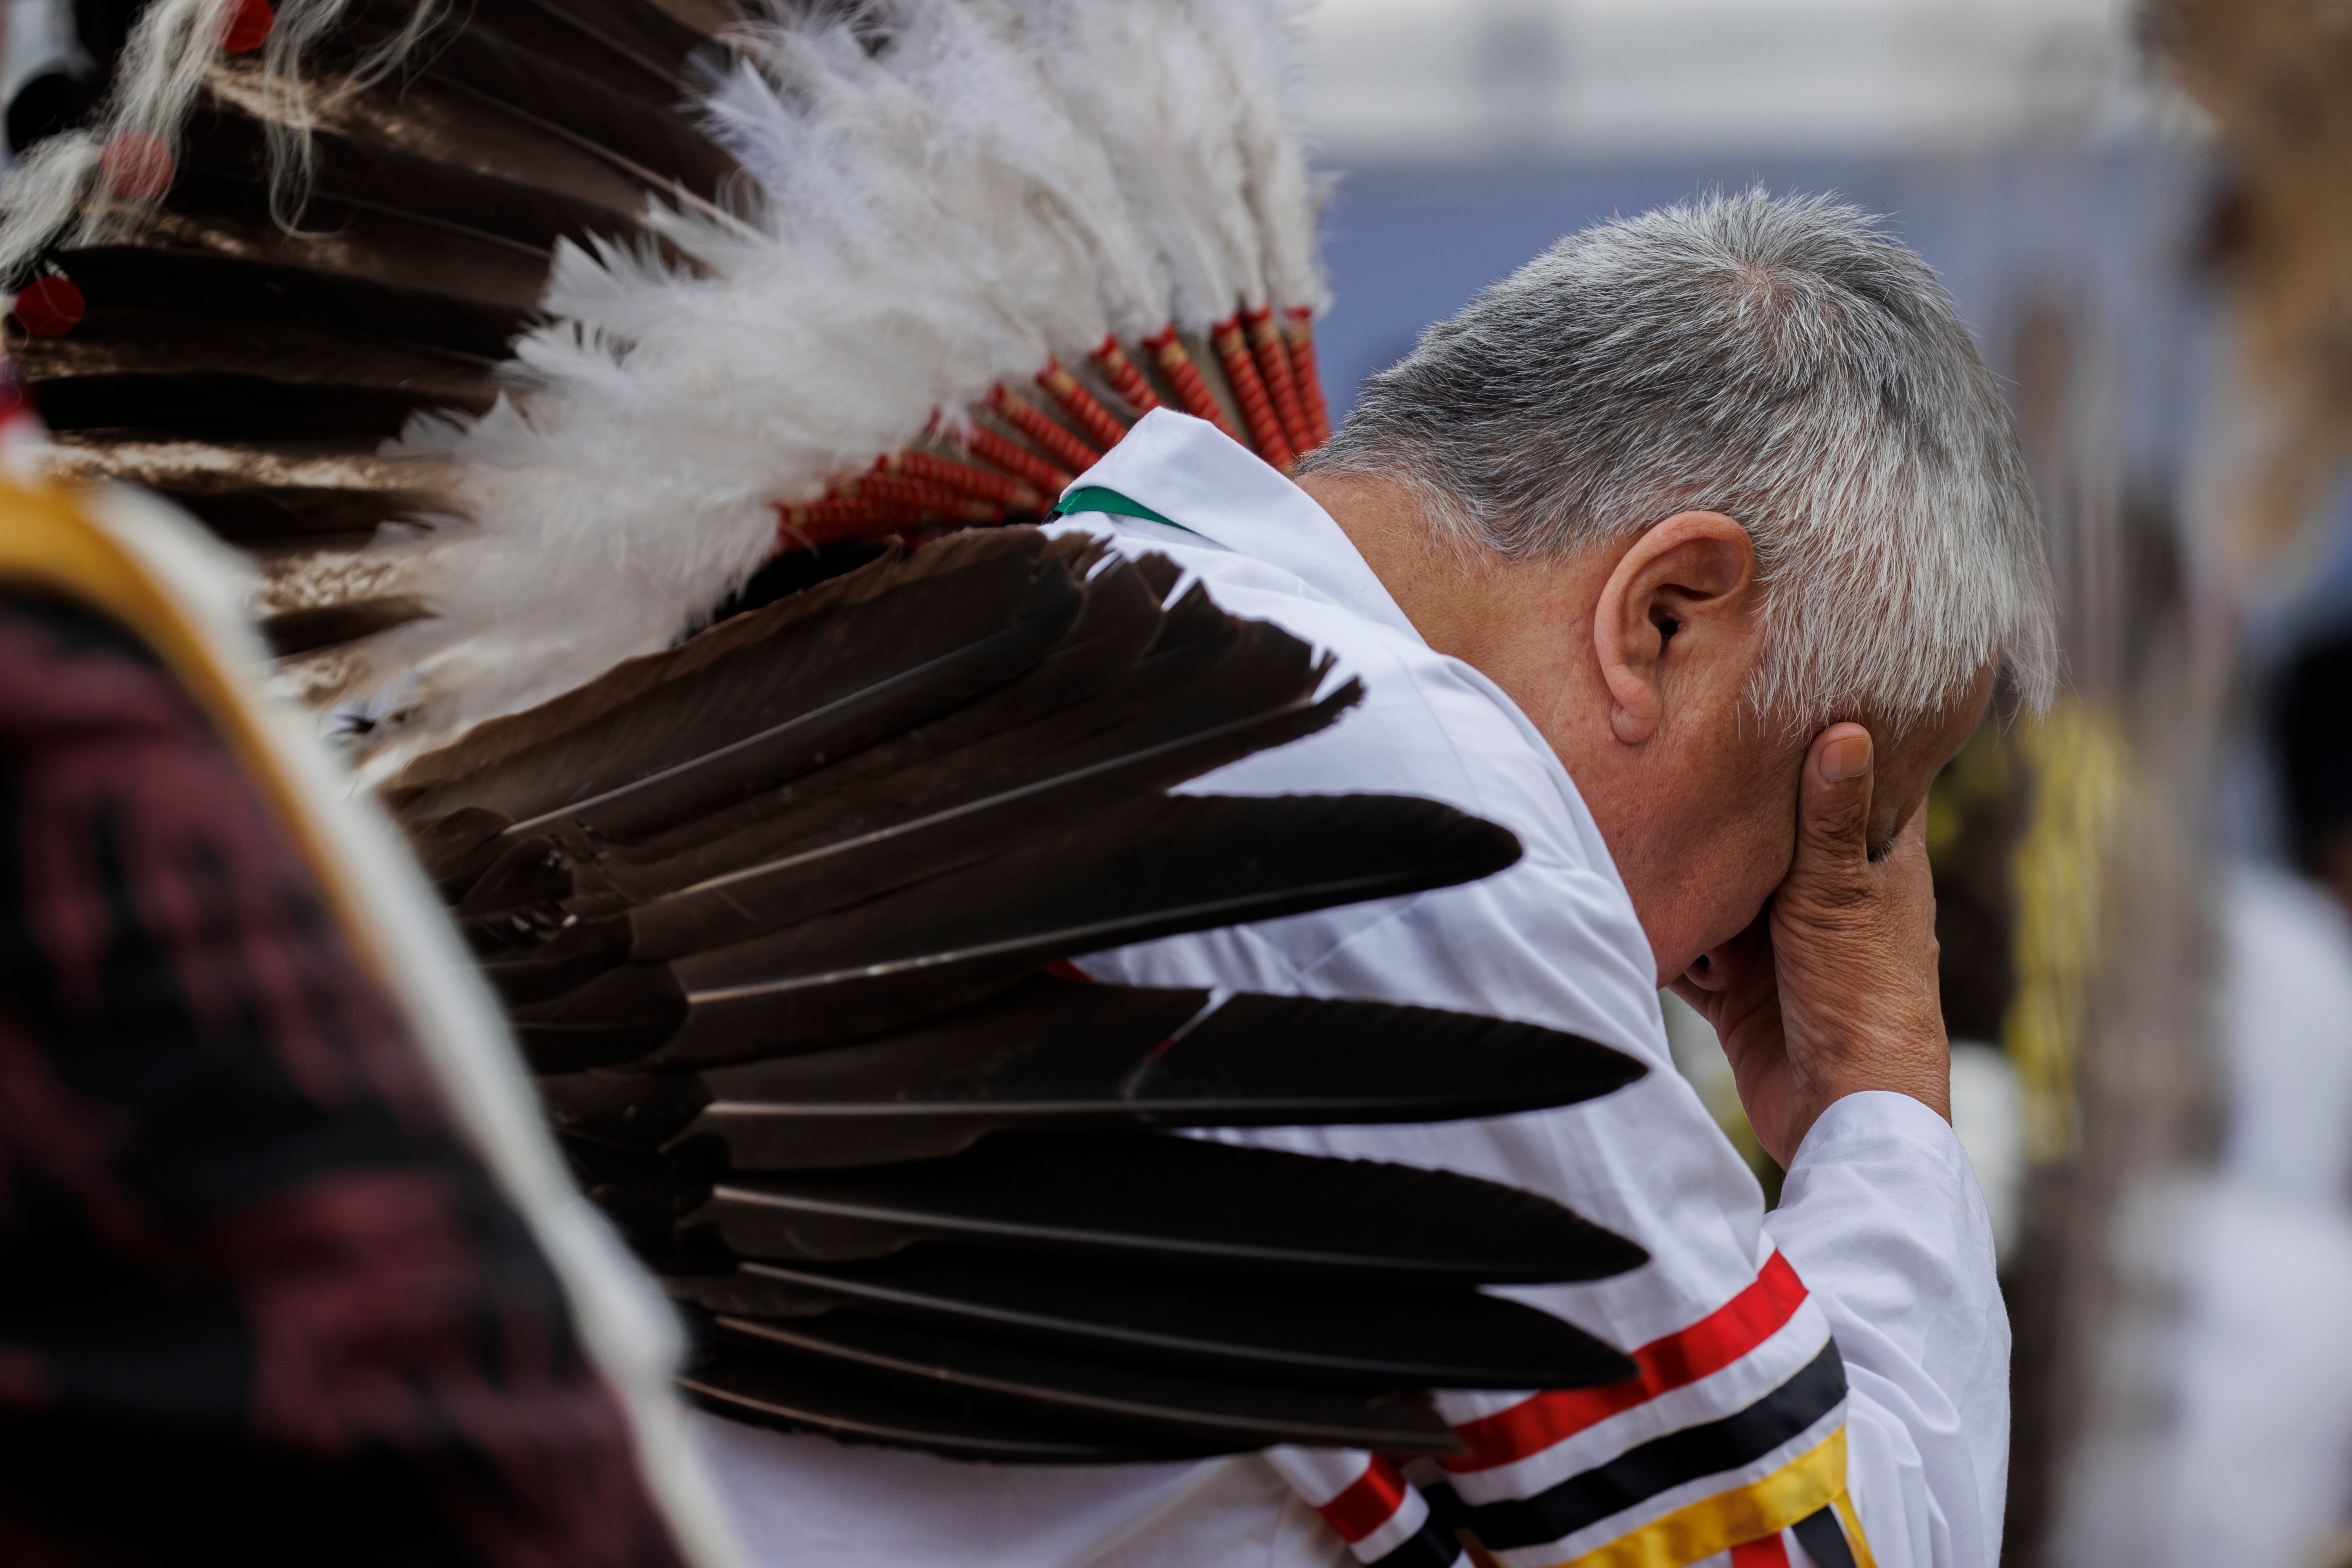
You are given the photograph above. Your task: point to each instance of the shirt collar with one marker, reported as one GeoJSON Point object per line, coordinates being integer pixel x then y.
{"type": "Point", "coordinates": [1200, 478]}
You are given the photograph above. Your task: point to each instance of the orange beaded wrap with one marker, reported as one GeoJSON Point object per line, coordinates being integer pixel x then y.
{"type": "Point", "coordinates": [1249, 391]}
{"type": "Point", "coordinates": [1057, 440]}
{"type": "Point", "coordinates": [970, 478]}
{"type": "Point", "coordinates": [1184, 379]}
{"type": "Point", "coordinates": [1298, 331]}
{"type": "Point", "coordinates": [1272, 357]}
{"type": "Point", "coordinates": [805, 525]}
{"type": "Point", "coordinates": [1125, 378]}
{"type": "Point", "coordinates": [1014, 458]}
{"type": "Point", "coordinates": [1082, 405]}
{"type": "Point", "coordinates": [929, 495]}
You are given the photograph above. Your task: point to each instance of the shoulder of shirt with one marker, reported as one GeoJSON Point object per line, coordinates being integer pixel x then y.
{"type": "Point", "coordinates": [1427, 725]}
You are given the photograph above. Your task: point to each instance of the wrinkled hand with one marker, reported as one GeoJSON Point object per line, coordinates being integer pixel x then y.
{"type": "Point", "coordinates": [1832, 990]}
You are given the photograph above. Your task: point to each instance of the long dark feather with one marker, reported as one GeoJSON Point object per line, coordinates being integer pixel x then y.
{"type": "Point", "coordinates": [1051, 1054]}
{"type": "Point", "coordinates": [112, 341]}
{"type": "Point", "coordinates": [1151, 870]}
{"type": "Point", "coordinates": [421, 112]}
{"type": "Point", "coordinates": [654, 143]}
{"type": "Point", "coordinates": [219, 407]}
{"type": "Point", "coordinates": [1150, 1403]}
{"type": "Point", "coordinates": [848, 1403]}
{"type": "Point", "coordinates": [1344, 1337]}
{"type": "Point", "coordinates": [768, 896]}
{"type": "Point", "coordinates": [376, 177]}
{"type": "Point", "coordinates": [1146, 871]}
{"type": "Point", "coordinates": [1178, 1202]}
{"type": "Point", "coordinates": [765, 695]}
{"type": "Point", "coordinates": [147, 277]}
{"type": "Point", "coordinates": [1117, 625]}
{"type": "Point", "coordinates": [632, 47]}
{"type": "Point", "coordinates": [1001, 769]}
{"type": "Point", "coordinates": [259, 515]}
{"type": "Point", "coordinates": [316, 627]}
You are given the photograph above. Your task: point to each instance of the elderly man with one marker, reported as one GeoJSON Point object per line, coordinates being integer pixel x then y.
{"type": "Point", "coordinates": [1689, 552]}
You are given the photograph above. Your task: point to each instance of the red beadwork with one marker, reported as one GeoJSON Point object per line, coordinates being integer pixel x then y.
{"type": "Point", "coordinates": [1249, 391]}
{"type": "Point", "coordinates": [50, 307]}
{"type": "Point", "coordinates": [138, 166]}
{"type": "Point", "coordinates": [1124, 377]}
{"type": "Point", "coordinates": [1082, 405]}
{"type": "Point", "coordinates": [248, 27]}
{"type": "Point", "coordinates": [1184, 378]}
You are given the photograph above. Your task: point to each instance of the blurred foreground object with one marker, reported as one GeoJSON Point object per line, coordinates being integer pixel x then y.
{"type": "Point", "coordinates": [292, 1275]}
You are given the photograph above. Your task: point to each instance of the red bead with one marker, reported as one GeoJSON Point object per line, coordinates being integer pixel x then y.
{"type": "Point", "coordinates": [248, 27]}
{"type": "Point", "coordinates": [138, 166]}
{"type": "Point", "coordinates": [50, 306]}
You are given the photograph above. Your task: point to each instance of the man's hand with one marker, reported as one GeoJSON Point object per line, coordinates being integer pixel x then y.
{"type": "Point", "coordinates": [1832, 990]}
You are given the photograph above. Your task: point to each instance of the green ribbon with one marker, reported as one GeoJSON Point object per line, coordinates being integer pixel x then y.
{"type": "Point", "coordinates": [1095, 498]}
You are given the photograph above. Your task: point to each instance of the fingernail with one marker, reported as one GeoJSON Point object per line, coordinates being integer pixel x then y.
{"type": "Point", "coordinates": [1846, 759]}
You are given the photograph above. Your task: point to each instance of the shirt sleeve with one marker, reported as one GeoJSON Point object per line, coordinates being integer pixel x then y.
{"type": "Point", "coordinates": [1882, 1215]}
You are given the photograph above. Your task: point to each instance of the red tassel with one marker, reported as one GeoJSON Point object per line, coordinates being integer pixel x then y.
{"type": "Point", "coordinates": [1125, 378]}
{"type": "Point", "coordinates": [927, 495]}
{"type": "Point", "coordinates": [1184, 378]}
{"type": "Point", "coordinates": [805, 525]}
{"type": "Point", "coordinates": [1081, 406]}
{"type": "Point", "coordinates": [248, 27]}
{"type": "Point", "coordinates": [1014, 458]}
{"type": "Point", "coordinates": [969, 478]}
{"type": "Point", "coordinates": [1298, 331]}
{"type": "Point", "coordinates": [50, 307]}
{"type": "Point", "coordinates": [1057, 441]}
{"type": "Point", "coordinates": [1249, 391]}
{"type": "Point", "coordinates": [138, 166]}
{"type": "Point", "coordinates": [1273, 356]}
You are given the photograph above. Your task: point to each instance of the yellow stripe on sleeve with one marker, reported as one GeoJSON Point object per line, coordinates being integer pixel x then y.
{"type": "Point", "coordinates": [1798, 1489]}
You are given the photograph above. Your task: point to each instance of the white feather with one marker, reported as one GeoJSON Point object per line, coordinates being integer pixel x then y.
{"type": "Point", "coordinates": [1257, 43]}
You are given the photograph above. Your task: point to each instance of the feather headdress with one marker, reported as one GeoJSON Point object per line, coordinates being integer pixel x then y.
{"type": "Point", "coordinates": [924, 209]}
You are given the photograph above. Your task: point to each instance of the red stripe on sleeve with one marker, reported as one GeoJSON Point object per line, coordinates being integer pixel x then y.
{"type": "Point", "coordinates": [1709, 1345]}
{"type": "Point", "coordinates": [1371, 1500]}
{"type": "Point", "coordinates": [1769, 1552]}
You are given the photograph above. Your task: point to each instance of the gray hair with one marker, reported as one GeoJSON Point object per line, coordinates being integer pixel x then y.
{"type": "Point", "coordinates": [1782, 362]}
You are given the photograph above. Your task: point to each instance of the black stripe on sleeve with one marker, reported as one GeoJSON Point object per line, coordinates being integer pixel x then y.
{"type": "Point", "coordinates": [1653, 1467]}
{"type": "Point", "coordinates": [1431, 1546]}
{"type": "Point", "coordinates": [1823, 1540]}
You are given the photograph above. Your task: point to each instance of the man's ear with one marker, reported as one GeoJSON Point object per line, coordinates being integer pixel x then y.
{"type": "Point", "coordinates": [1679, 602]}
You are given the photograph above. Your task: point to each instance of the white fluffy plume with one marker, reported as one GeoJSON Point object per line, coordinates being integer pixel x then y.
{"type": "Point", "coordinates": [1256, 42]}
{"type": "Point", "coordinates": [1144, 82]}
{"type": "Point", "coordinates": [921, 224]}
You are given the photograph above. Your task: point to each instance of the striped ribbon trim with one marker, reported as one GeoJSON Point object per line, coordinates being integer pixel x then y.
{"type": "Point", "coordinates": [1824, 1542]}
{"type": "Point", "coordinates": [1767, 1552]}
{"type": "Point", "coordinates": [1383, 1517]}
{"type": "Point", "coordinates": [1644, 1471]}
{"type": "Point", "coordinates": [1370, 1501]}
{"type": "Point", "coordinates": [1671, 1362]}
{"type": "Point", "coordinates": [1802, 1489]}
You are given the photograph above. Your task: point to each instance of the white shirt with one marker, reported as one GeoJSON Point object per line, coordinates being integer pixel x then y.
{"type": "Point", "coordinates": [1880, 1220]}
